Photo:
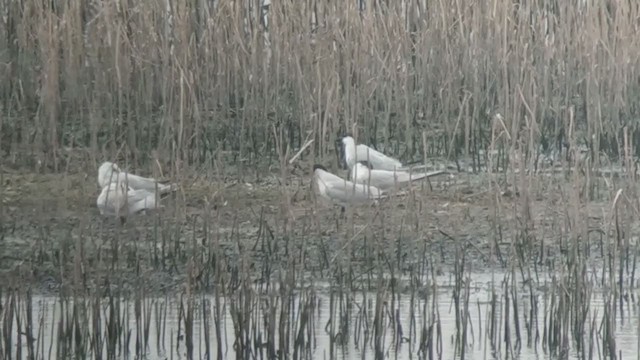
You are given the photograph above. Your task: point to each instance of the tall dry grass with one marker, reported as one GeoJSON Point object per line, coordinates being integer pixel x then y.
{"type": "Point", "coordinates": [192, 82]}
{"type": "Point", "coordinates": [202, 82]}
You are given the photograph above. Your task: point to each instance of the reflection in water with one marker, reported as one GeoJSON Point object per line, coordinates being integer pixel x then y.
{"type": "Point", "coordinates": [167, 337]}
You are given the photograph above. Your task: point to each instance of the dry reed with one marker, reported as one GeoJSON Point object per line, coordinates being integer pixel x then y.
{"type": "Point", "coordinates": [235, 88]}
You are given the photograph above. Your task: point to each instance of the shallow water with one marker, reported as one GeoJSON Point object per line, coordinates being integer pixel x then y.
{"type": "Point", "coordinates": [169, 342]}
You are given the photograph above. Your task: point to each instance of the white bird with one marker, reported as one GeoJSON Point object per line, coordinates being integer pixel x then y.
{"type": "Point", "coordinates": [119, 200]}
{"type": "Point", "coordinates": [351, 154]}
{"type": "Point", "coordinates": [343, 192]}
{"type": "Point", "coordinates": [364, 173]}
{"type": "Point", "coordinates": [109, 172]}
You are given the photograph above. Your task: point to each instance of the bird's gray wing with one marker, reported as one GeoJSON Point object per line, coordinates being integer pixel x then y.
{"type": "Point", "coordinates": [377, 159]}
{"type": "Point", "coordinates": [403, 177]}
{"type": "Point", "coordinates": [328, 177]}
{"type": "Point", "coordinates": [383, 179]}
{"type": "Point", "coordinates": [414, 168]}
{"type": "Point", "coordinates": [346, 192]}
{"type": "Point", "coordinates": [135, 195]}
{"type": "Point", "coordinates": [139, 200]}
{"type": "Point", "coordinates": [142, 183]}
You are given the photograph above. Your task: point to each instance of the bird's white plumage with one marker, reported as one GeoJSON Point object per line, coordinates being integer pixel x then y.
{"type": "Point", "coordinates": [386, 179]}
{"type": "Point", "coordinates": [341, 191]}
{"type": "Point", "coordinates": [119, 200]}
{"type": "Point", "coordinates": [109, 172]}
{"type": "Point", "coordinates": [354, 153]}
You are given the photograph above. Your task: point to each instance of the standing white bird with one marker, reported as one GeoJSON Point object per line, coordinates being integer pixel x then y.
{"type": "Point", "coordinates": [351, 154]}
{"type": "Point", "coordinates": [340, 191]}
{"type": "Point", "coordinates": [119, 200]}
{"type": "Point", "coordinates": [109, 172]}
{"type": "Point", "coordinates": [364, 173]}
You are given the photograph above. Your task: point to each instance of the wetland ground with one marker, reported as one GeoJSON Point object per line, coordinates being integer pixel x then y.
{"type": "Point", "coordinates": [458, 254]}
{"type": "Point", "coordinates": [47, 216]}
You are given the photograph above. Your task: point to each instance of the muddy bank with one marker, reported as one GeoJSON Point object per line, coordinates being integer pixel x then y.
{"type": "Point", "coordinates": [53, 236]}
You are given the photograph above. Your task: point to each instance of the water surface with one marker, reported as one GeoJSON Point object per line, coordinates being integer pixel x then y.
{"type": "Point", "coordinates": [167, 338]}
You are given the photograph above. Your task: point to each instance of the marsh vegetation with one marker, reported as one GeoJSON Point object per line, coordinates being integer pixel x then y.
{"type": "Point", "coordinates": [530, 250]}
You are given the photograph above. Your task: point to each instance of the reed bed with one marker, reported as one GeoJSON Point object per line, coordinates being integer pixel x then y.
{"type": "Point", "coordinates": [533, 102]}
{"type": "Point", "coordinates": [208, 81]}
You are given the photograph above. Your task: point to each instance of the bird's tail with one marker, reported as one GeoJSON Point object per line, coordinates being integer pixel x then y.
{"type": "Point", "coordinates": [166, 189]}
{"type": "Point", "coordinates": [426, 175]}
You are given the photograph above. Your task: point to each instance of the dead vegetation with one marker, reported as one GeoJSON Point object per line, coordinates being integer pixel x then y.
{"type": "Point", "coordinates": [539, 97]}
